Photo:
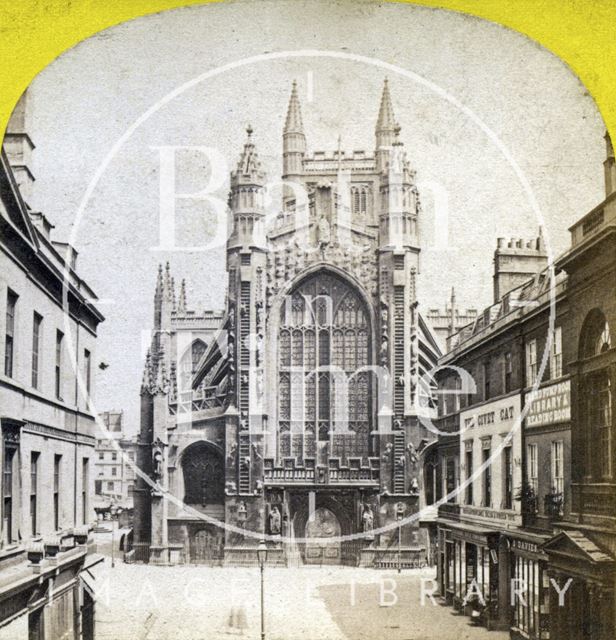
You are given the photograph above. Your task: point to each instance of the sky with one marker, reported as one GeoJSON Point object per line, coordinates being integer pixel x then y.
{"type": "Point", "coordinates": [85, 101]}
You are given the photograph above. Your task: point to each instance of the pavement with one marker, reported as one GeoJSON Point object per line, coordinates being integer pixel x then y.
{"type": "Point", "coordinates": [143, 602]}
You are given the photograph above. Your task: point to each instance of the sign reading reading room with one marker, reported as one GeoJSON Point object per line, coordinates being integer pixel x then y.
{"type": "Point", "coordinates": [550, 405]}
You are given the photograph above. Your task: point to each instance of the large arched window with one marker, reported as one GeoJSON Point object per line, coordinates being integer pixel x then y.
{"type": "Point", "coordinates": [324, 389]}
{"type": "Point", "coordinates": [595, 338]}
{"type": "Point", "coordinates": [204, 477]}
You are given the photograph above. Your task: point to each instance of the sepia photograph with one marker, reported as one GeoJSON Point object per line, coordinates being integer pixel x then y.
{"type": "Point", "coordinates": [305, 332]}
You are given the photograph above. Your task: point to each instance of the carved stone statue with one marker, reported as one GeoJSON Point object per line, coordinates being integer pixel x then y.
{"type": "Point", "coordinates": [367, 519]}
{"type": "Point", "coordinates": [274, 521]}
{"type": "Point", "coordinates": [324, 232]}
{"type": "Point", "coordinates": [157, 459]}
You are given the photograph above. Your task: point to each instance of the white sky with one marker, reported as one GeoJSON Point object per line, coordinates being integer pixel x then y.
{"type": "Point", "coordinates": [85, 100]}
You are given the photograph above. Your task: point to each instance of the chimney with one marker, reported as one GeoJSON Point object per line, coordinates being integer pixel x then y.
{"type": "Point", "coordinates": [18, 147]}
{"type": "Point", "coordinates": [610, 167]}
{"type": "Point", "coordinates": [516, 261]}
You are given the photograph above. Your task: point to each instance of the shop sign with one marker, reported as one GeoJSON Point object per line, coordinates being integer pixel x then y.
{"type": "Point", "coordinates": [500, 414]}
{"type": "Point", "coordinates": [549, 405]}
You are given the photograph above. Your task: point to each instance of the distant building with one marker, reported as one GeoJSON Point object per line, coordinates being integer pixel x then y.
{"type": "Point", "coordinates": [47, 430]}
{"type": "Point", "coordinates": [114, 465]}
{"type": "Point", "coordinates": [444, 323]}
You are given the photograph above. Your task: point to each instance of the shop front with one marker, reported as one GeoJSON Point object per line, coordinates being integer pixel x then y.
{"type": "Point", "coordinates": [470, 572]}
{"type": "Point", "coordinates": [530, 588]}
{"type": "Point", "coordinates": [581, 588]}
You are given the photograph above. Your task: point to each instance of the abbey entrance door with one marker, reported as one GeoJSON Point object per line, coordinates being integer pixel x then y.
{"type": "Point", "coordinates": [322, 534]}
{"type": "Point", "coordinates": [206, 547]}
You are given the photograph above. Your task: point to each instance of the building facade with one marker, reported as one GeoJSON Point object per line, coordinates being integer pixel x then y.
{"type": "Point", "coordinates": [300, 419]}
{"type": "Point", "coordinates": [582, 554]}
{"type": "Point", "coordinates": [115, 461]}
{"type": "Point", "coordinates": [543, 348]}
{"type": "Point", "coordinates": [48, 355]}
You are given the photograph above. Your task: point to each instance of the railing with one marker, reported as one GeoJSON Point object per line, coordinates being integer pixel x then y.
{"type": "Point", "coordinates": [140, 552]}
{"type": "Point", "coordinates": [321, 475]}
{"type": "Point", "coordinates": [594, 499]}
{"type": "Point", "coordinates": [200, 399]}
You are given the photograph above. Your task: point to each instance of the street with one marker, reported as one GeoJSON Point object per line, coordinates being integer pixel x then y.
{"type": "Point", "coordinates": [144, 602]}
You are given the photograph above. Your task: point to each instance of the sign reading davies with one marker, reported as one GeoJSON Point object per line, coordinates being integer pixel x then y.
{"type": "Point", "coordinates": [550, 405]}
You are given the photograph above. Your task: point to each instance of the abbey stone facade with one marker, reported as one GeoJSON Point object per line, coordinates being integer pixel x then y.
{"type": "Point", "coordinates": [293, 413]}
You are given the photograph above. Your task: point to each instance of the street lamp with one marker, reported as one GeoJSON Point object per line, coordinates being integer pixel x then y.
{"type": "Point", "coordinates": [399, 516]}
{"type": "Point", "coordinates": [262, 557]}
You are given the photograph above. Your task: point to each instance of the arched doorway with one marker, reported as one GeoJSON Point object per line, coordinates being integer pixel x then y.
{"type": "Point", "coordinates": [204, 476]}
{"type": "Point", "coordinates": [206, 546]}
{"type": "Point", "coordinates": [322, 535]}
{"type": "Point", "coordinates": [204, 490]}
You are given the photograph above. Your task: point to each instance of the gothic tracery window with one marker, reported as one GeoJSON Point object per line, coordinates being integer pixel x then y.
{"type": "Point", "coordinates": [324, 391]}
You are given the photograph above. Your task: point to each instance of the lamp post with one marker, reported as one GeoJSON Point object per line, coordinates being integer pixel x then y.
{"type": "Point", "coordinates": [399, 516]}
{"type": "Point", "coordinates": [262, 557]}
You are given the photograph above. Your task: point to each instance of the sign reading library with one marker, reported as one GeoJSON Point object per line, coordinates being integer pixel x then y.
{"type": "Point", "coordinates": [550, 405]}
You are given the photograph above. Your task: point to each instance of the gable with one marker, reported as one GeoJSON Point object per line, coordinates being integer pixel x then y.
{"type": "Point", "coordinates": [576, 546]}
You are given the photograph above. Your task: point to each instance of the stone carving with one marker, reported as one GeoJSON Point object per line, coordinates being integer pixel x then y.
{"type": "Point", "coordinates": [412, 453]}
{"type": "Point", "coordinates": [367, 519]}
{"type": "Point", "coordinates": [388, 450]}
{"type": "Point", "coordinates": [275, 521]}
{"type": "Point", "coordinates": [157, 460]}
{"type": "Point", "coordinates": [285, 262]}
{"type": "Point", "coordinates": [232, 452]}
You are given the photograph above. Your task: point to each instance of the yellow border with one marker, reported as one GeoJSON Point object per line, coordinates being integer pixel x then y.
{"type": "Point", "coordinates": [580, 32]}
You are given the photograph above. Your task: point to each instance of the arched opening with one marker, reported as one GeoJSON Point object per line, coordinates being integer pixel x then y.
{"type": "Point", "coordinates": [323, 532]}
{"type": "Point", "coordinates": [324, 403]}
{"type": "Point", "coordinates": [189, 362]}
{"type": "Point", "coordinates": [595, 337]}
{"type": "Point", "coordinates": [204, 476]}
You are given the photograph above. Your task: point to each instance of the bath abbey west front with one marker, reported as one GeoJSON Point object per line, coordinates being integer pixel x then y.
{"type": "Point", "coordinates": [294, 412]}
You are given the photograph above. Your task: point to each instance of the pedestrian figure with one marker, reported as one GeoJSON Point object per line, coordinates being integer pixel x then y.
{"type": "Point", "coordinates": [237, 622]}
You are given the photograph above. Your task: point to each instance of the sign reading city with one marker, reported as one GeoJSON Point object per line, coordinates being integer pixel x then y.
{"type": "Point", "coordinates": [500, 413]}
{"type": "Point", "coordinates": [550, 405]}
